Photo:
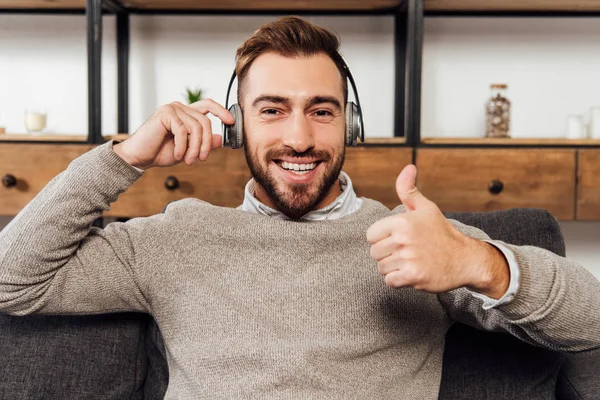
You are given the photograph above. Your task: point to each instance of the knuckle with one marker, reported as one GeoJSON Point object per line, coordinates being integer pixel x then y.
{"type": "Point", "coordinates": [167, 109]}
{"type": "Point", "coordinates": [392, 280]}
{"type": "Point", "coordinates": [397, 237]}
{"type": "Point", "coordinates": [372, 252]}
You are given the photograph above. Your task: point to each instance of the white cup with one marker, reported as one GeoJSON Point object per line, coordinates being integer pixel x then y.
{"type": "Point", "coordinates": [595, 122]}
{"type": "Point", "coordinates": [35, 120]}
{"type": "Point", "coordinates": [576, 127]}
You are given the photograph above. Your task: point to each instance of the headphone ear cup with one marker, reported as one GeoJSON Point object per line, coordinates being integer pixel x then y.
{"type": "Point", "coordinates": [352, 124]}
{"type": "Point", "coordinates": [234, 134]}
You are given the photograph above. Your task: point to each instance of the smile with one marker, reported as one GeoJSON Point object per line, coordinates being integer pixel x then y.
{"type": "Point", "coordinates": [298, 169]}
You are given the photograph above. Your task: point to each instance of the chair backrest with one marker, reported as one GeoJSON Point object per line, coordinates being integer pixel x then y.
{"type": "Point", "coordinates": [490, 365]}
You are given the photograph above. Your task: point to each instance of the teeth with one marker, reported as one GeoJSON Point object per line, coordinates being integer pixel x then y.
{"type": "Point", "coordinates": [298, 168]}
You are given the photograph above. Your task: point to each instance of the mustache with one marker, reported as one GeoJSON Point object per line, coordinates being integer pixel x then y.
{"type": "Point", "coordinates": [275, 154]}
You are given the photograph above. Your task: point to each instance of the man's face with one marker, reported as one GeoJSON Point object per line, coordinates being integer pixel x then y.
{"type": "Point", "coordinates": [294, 130]}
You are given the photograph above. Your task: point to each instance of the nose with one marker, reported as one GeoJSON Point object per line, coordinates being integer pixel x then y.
{"type": "Point", "coordinates": [299, 133]}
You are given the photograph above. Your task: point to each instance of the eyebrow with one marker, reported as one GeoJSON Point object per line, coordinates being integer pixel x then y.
{"type": "Point", "coordinates": [271, 99]}
{"type": "Point", "coordinates": [285, 101]}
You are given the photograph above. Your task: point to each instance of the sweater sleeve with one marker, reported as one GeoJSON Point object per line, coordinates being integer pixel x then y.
{"type": "Point", "coordinates": [52, 260]}
{"type": "Point", "coordinates": [557, 305]}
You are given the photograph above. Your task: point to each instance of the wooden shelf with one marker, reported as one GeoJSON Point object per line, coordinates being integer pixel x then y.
{"type": "Point", "coordinates": [258, 5]}
{"type": "Point", "coordinates": [513, 5]}
{"type": "Point", "coordinates": [55, 138]}
{"type": "Point", "coordinates": [385, 140]}
{"type": "Point", "coordinates": [42, 138]}
{"type": "Point", "coordinates": [265, 5]}
{"type": "Point", "coordinates": [42, 4]}
{"type": "Point", "coordinates": [512, 141]}
{"type": "Point", "coordinates": [118, 136]}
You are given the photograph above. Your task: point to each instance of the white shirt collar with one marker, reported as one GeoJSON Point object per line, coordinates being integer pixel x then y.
{"type": "Point", "coordinates": [346, 203]}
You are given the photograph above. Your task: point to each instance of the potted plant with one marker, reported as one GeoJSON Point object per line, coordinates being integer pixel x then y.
{"type": "Point", "coordinates": [193, 95]}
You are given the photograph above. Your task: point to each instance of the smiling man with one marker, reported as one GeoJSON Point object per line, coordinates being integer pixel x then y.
{"type": "Point", "coordinates": [282, 297]}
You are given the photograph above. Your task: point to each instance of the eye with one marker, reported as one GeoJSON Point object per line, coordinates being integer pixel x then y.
{"type": "Point", "coordinates": [270, 111]}
{"type": "Point", "coordinates": [323, 113]}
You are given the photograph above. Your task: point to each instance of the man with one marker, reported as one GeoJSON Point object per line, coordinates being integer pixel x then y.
{"type": "Point", "coordinates": [281, 297]}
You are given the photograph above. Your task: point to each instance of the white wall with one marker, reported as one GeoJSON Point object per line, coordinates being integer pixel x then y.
{"type": "Point", "coordinates": [551, 67]}
{"type": "Point", "coordinates": [43, 63]}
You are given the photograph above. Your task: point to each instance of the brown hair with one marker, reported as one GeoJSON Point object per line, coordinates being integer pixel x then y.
{"type": "Point", "coordinates": [290, 37]}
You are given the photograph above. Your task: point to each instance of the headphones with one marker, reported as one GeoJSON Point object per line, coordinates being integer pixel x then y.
{"type": "Point", "coordinates": [233, 135]}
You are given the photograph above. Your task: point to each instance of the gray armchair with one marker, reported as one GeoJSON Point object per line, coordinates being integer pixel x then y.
{"type": "Point", "coordinates": [485, 365]}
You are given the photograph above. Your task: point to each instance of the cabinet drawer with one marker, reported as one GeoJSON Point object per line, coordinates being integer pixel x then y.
{"type": "Point", "coordinates": [492, 179]}
{"type": "Point", "coordinates": [588, 188]}
{"type": "Point", "coordinates": [222, 178]}
{"type": "Point", "coordinates": [32, 166]}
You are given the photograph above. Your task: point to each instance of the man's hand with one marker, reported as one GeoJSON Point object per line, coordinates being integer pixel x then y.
{"type": "Point", "coordinates": [421, 249]}
{"type": "Point", "coordinates": [174, 133]}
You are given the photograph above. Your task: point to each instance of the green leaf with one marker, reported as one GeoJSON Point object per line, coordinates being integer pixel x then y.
{"type": "Point", "coordinates": [193, 95]}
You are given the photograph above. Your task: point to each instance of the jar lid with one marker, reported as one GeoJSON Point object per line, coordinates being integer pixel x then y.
{"type": "Point", "coordinates": [498, 85]}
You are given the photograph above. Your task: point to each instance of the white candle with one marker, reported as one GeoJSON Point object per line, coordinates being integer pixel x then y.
{"type": "Point", "coordinates": [35, 121]}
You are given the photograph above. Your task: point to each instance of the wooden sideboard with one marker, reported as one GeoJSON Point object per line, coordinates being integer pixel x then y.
{"type": "Point", "coordinates": [220, 180]}
{"type": "Point", "coordinates": [565, 181]}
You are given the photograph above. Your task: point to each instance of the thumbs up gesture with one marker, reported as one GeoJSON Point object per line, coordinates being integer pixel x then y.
{"type": "Point", "coordinates": [423, 250]}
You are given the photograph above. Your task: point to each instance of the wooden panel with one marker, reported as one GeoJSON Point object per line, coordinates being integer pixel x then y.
{"type": "Point", "coordinates": [374, 170]}
{"type": "Point", "coordinates": [263, 4]}
{"type": "Point", "coordinates": [42, 138]}
{"type": "Point", "coordinates": [34, 165]}
{"type": "Point", "coordinates": [512, 5]}
{"type": "Point", "coordinates": [42, 4]}
{"type": "Point", "coordinates": [512, 141]}
{"type": "Point", "coordinates": [459, 179]}
{"type": "Point", "coordinates": [588, 187]}
{"type": "Point", "coordinates": [222, 178]}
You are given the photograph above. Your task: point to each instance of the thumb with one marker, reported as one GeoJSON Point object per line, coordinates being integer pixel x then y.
{"type": "Point", "coordinates": [408, 192]}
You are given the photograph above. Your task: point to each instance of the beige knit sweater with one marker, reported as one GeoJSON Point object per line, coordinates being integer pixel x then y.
{"type": "Point", "coordinates": [258, 307]}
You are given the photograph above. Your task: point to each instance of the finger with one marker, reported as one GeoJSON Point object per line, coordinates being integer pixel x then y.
{"type": "Point", "coordinates": [217, 141]}
{"type": "Point", "coordinates": [384, 248]}
{"type": "Point", "coordinates": [396, 279]}
{"type": "Point", "coordinates": [175, 125]}
{"type": "Point", "coordinates": [384, 228]}
{"type": "Point", "coordinates": [210, 106]}
{"type": "Point", "coordinates": [407, 190]}
{"type": "Point", "coordinates": [395, 261]}
{"type": "Point", "coordinates": [195, 133]}
{"type": "Point", "coordinates": [207, 138]}
{"type": "Point", "coordinates": [209, 141]}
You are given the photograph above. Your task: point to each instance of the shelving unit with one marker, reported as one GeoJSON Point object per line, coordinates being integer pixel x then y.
{"type": "Point", "coordinates": [406, 39]}
{"type": "Point", "coordinates": [534, 6]}
{"type": "Point", "coordinates": [512, 142]}
{"type": "Point", "coordinates": [493, 173]}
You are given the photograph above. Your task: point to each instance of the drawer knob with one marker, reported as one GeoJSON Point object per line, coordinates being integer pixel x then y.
{"type": "Point", "coordinates": [171, 183]}
{"type": "Point", "coordinates": [9, 181]}
{"type": "Point", "coordinates": [496, 186]}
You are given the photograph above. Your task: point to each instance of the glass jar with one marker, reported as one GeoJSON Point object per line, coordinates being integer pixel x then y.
{"type": "Point", "coordinates": [497, 122]}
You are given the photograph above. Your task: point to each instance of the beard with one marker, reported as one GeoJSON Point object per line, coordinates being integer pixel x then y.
{"type": "Point", "coordinates": [297, 199]}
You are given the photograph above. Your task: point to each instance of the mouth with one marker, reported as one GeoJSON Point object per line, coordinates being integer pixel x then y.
{"type": "Point", "coordinates": [298, 168]}
{"type": "Point", "coordinates": [301, 171]}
